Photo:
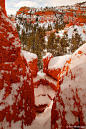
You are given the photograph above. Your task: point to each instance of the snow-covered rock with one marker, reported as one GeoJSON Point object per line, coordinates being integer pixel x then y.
{"type": "Point", "coordinates": [69, 106]}
{"type": "Point", "coordinates": [16, 89]}
{"type": "Point", "coordinates": [46, 60]}
{"type": "Point", "coordinates": [31, 59]}
{"type": "Point", "coordinates": [56, 64]}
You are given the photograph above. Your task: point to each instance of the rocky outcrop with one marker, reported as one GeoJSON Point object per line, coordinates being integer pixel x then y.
{"type": "Point", "coordinates": [46, 60]}
{"type": "Point", "coordinates": [52, 67]}
{"type": "Point", "coordinates": [56, 64]}
{"type": "Point", "coordinates": [16, 87]}
{"type": "Point", "coordinates": [31, 59]}
{"type": "Point", "coordinates": [2, 5]}
{"type": "Point", "coordinates": [69, 104]}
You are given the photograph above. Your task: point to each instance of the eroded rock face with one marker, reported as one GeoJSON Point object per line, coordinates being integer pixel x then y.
{"type": "Point", "coordinates": [31, 59]}
{"type": "Point", "coordinates": [69, 106]}
{"type": "Point", "coordinates": [46, 60]}
{"type": "Point", "coordinates": [2, 4]}
{"type": "Point", "coordinates": [16, 88]}
{"type": "Point", "coordinates": [56, 64]}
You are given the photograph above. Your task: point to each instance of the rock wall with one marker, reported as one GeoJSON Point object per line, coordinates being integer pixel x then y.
{"type": "Point", "coordinates": [16, 86]}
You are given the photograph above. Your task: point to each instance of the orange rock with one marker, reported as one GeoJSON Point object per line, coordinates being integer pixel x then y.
{"type": "Point", "coordinates": [69, 100]}
{"type": "Point", "coordinates": [2, 4]}
{"type": "Point", "coordinates": [83, 31]}
{"type": "Point", "coordinates": [46, 60]}
{"type": "Point", "coordinates": [31, 60]}
{"type": "Point", "coordinates": [16, 87]}
{"type": "Point", "coordinates": [54, 73]}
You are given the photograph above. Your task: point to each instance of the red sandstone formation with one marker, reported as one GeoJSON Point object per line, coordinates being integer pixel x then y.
{"type": "Point", "coordinates": [46, 60]}
{"type": "Point", "coordinates": [16, 88]}
{"type": "Point", "coordinates": [52, 67]}
{"type": "Point", "coordinates": [56, 64]}
{"type": "Point", "coordinates": [2, 4]}
{"type": "Point", "coordinates": [54, 73]}
{"type": "Point", "coordinates": [32, 62]}
{"type": "Point", "coordinates": [69, 106]}
{"type": "Point", "coordinates": [79, 19]}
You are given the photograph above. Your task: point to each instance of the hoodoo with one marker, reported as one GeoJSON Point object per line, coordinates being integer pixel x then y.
{"type": "Point", "coordinates": [16, 87]}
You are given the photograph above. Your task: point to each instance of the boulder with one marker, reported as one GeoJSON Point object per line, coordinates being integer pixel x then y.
{"type": "Point", "coordinates": [32, 62]}
{"type": "Point", "coordinates": [69, 105]}
{"type": "Point", "coordinates": [56, 64]}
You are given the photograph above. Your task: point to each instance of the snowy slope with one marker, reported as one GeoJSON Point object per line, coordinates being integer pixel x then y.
{"type": "Point", "coordinates": [58, 62]}
{"type": "Point", "coordinates": [79, 30]}
{"type": "Point", "coordinates": [70, 31]}
{"type": "Point", "coordinates": [29, 56]}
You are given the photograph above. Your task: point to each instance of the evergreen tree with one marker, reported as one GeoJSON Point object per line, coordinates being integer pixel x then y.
{"type": "Point", "coordinates": [39, 45]}
{"type": "Point", "coordinates": [31, 42]}
{"type": "Point", "coordinates": [26, 26]}
{"type": "Point", "coordinates": [41, 33]}
{"type": "Point", "coordinates": [76, 42]}
{"type": "Point", "coordinates": [23, 38]}
{"type": "Point", "coordinates": [49, 27]}
{"type": "Point", "coordinates": [52, 44]}
{"type": "Point", "coordinates": [56, 27]}
{"type": "Point", "coordinates": [64, 44]}
{"type": "Point", "coordinates": [34, 28]}
{"type": "Point", "coordinates": [58, 47]}
{"type": "Point", "coordinates": [36, 43]}
{"type": "Point", "coordinates": [18, 29]}
{"type": "Point", "coordinates": [38, 50]}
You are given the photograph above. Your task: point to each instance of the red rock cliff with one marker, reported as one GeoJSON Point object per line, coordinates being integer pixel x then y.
{"type": "Point", "coordinates": [2, 4]}
{"type": "Point", "coordinates": [16, 88]}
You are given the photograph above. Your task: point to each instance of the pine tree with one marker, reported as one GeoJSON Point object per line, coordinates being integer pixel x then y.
{"type": "Point", "coordinates": [23, 38]}
{"type": "Point", "coordinates": [31, 42]}
{"type": "Point", "coordinates": [38, 50]}
{"type": "Point", "coordinates": [49, 28]}
{"type": "Point", "coordinates": [18, 29]}
{"type": "Point", "coordinates": [56, 27]}
{"type": "Point", "coordinates": [64, 44]}
{"type": "Point", "coordinates": [41, 33]}
{"type": "Point", "coordinates": [76, 42]}
{"type": "Point", "coordinates": [26, 26]}
{"type": "Point", "coordinates": [58, 47]}
{"type": "Point", "coordinates": [52, 44]}
{"type": "Point", "coordinates": [39, 45]}
{"type": "Point", "coordinates": [36, 43]}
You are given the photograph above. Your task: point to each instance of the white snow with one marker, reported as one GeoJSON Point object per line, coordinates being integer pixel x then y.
{"type": "Point", "coordinates": [41, 94]}
{"type": "Point", "coordinates": [10, 35]}
{"type": "Point", "coordinates": [58, 62]}
{"type": "Point", "coordinates": [42, 100]}
{"type": "Point", "coordinates": [48, 54]}
{"type": "Point", "coordinates": [16, 43]}
{"type": "Point", "coordinates": [43, 120]}
{"type": "Point", "coordinates": [70, 31]}
{"type": "Point", "coordinates": [79, 30]}
{"type": "Point", "coordinates": [44, 77]}
{"type": "Point", "coordinates": [29, 56]}
{"type": "Point", "coordinates": [74, 86]}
